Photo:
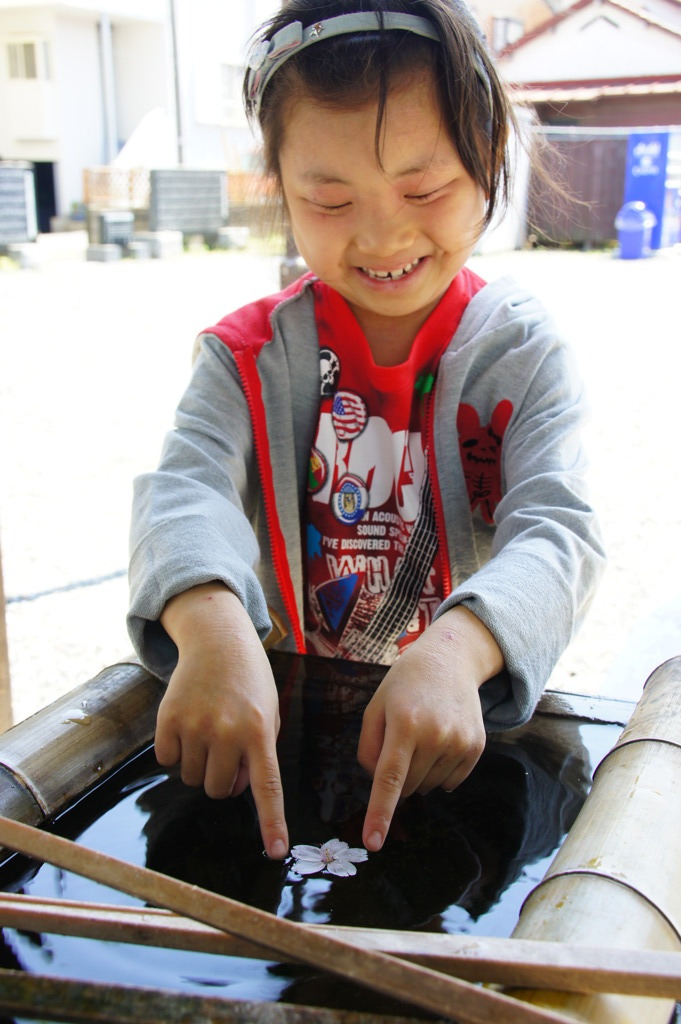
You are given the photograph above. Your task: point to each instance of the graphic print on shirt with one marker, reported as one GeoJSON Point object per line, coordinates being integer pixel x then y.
{"type": "Point", "coordinates": [329, 369]}
{"type": "Point", "coordinates": [373, 580]}
{"type": "Point", "coordinates": [480, 449]}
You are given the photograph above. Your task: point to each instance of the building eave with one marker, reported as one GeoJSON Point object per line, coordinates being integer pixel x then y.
{"type": "Point", "coordinates": [588, 91]}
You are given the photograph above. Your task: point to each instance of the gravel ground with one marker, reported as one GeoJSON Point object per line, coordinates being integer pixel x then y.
{"type": "Point", "coordinates": [94, 357]}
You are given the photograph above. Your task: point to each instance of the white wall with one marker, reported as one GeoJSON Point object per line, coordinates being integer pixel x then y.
{"type": "Point", "coordinates": [70, 105]}
{"type": "Point", "coordinates": [142, 73]}
{"type": "Point", "coordinates": [510, 231]}
{"type": "Point", "coordinates": [81, 121]}
{"type": "Point", "coordinates": [28, 112]}
{"type": "Point", "coordinates": [212, 33]}
{"type": "Point", "coordinates": [154, 10]}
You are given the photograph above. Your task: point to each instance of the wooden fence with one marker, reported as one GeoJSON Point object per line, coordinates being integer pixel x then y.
{"type": "Point", "coordinates": [590, 170]}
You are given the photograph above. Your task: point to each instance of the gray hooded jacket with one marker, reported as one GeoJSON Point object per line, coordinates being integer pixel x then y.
{"type": "Point", "coordinates": [204, 514]}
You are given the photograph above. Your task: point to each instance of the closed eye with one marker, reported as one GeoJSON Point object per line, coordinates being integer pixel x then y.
{"type": "Point", "coordinates": [328, 208]}
{"type": "Point", "coordinates": [424, 197]}
{"type": "Point", "coordinates": [434, 193]}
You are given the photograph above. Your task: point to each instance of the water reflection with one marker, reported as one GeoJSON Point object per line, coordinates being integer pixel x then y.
{"type": "Point", "coordinates": [459, 849]}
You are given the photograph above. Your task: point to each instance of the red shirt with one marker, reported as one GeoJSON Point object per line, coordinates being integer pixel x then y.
{"type": "Point", "coordinates": [374, 571]}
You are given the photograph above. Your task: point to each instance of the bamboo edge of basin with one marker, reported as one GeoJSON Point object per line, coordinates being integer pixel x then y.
{"type": "Point", "coordinates": [616, 880]}
{"type": "Point", "coordinates": [69, 746]}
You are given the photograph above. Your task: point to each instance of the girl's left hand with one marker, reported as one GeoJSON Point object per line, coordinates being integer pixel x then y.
{"type": "Point", "coordinates": [423, 727]}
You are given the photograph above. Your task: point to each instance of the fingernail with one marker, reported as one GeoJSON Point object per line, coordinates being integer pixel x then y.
{"type": "Point", "coordinates": [375, 841]}
{"type": "Point", "coordinates": [278, 849]}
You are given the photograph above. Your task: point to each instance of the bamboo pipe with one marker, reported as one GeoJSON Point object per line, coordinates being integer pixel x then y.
{"type": "Point", "coordinates": [616, 881]}
{"type": "Point", "coordinates": [56, 755]}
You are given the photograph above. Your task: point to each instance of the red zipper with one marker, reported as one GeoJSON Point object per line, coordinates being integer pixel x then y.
{"type": "Point", "coordinates": [250, 378]}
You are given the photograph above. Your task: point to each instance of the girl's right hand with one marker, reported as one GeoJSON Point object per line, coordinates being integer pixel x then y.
{"type": "Point", "coordinates": [219, 717]}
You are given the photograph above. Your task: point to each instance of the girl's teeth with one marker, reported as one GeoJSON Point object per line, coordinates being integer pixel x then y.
{"type": "Point", "coordinates": [394, 275]}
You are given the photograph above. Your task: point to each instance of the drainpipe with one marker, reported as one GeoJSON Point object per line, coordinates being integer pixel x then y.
{"type": "Point", "coordinates": [176, 81]}
{"type": "Point", "coordinates": [106, 64]}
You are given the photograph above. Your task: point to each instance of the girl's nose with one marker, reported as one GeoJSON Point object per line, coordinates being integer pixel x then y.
{"type": "Point", "coordinates": [384, 232]}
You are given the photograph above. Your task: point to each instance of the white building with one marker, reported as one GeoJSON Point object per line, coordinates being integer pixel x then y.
{"type": "Point", "coordinates": [138, 82]}
{"type": "Point", "coordinates": [600, 40]}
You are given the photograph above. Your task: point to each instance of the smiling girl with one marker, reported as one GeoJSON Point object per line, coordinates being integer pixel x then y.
{"type": "Point", "coordinates": [386, 455]}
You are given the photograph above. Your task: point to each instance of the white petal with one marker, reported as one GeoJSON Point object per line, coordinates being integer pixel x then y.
{"type": "Point", "coordinates": [356, 854]}
{"type": "Point", "coordinates": [305, 851]}
{"type": "Point", "coordinates": [341, 867]}
{"type": "Point", "coordinates": [308, 866]}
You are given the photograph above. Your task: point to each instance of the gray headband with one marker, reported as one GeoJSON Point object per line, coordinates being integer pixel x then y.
{"type": "Point", "coordinates": [268, 56]}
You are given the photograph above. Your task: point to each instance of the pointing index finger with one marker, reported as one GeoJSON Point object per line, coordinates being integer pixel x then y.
{"type": "Point", "coordinates": [269, 801]}
{"type": "Point", "coordinates": [389, 778]}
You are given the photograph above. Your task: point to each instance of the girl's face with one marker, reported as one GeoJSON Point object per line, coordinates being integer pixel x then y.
{"type": "Point", "coordinates": [389, 238]}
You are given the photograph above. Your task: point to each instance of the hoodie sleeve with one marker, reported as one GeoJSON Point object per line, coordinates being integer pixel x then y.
{"type": "Point", "coordinates": [546, 552]}
{"type": "Point", "coordinates": [191, 517]}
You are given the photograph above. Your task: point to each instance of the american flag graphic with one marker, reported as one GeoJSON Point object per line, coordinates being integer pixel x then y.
{"type": "Point", "coordinates": [349, 415]}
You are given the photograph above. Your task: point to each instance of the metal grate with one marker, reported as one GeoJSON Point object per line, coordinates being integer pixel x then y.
{"type": "Point", "coordinates": [191, 201]}
{"type": "Point", "coordinates": [18, 218]}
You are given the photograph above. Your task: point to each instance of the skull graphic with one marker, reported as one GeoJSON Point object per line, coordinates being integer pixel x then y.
{"type": "Point", "coordinates": [329, 371]}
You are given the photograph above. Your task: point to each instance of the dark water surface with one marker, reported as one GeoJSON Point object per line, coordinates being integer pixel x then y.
{"type": "Point", "coordinates": [457, 863]}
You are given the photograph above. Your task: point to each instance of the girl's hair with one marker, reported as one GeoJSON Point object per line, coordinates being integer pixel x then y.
{"type": "Point", "coordinates": [349, 71]}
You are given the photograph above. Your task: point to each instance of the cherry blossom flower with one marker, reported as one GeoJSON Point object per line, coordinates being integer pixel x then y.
{"type": "Point", "coordinates": [334, 857]}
